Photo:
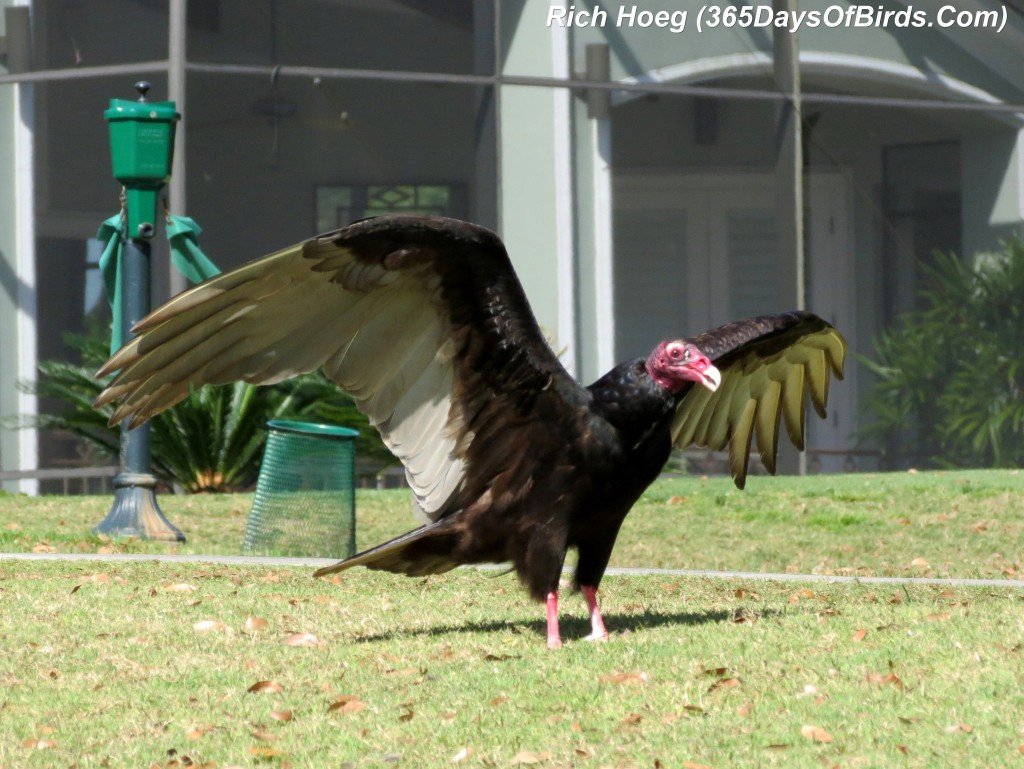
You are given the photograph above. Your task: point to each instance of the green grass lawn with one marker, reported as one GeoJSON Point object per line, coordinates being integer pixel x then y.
{"type": "Point", "coordinates": [963, 523]}
{"type": "Point", "coordinates": [146, 664]}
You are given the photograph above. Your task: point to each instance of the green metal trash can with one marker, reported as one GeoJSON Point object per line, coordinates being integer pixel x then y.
{"type": "Point", "coordinates": [305, 502]}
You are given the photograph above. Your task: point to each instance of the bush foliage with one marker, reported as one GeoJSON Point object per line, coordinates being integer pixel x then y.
{"type": "Point", "coordinates": [951, 374]}
{"type": "Point", "coordinates": [213, 440]}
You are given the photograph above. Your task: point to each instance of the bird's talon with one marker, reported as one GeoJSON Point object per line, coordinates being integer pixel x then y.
{"type": "Point", "coordinates": [554, 643]}
{"type": "Point", "coordinates": [595, 638]}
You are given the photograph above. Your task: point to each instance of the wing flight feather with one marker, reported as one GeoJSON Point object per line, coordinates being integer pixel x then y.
{"type": "Point", "coordinates": [419, 318]}
{"type": "Point", "coordinates": [771, 366]}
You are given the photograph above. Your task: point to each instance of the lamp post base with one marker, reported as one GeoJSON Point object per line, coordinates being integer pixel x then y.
{"type": "Point", "coordinates": [135, 512]}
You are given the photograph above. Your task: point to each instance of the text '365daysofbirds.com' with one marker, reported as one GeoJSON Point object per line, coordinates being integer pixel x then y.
{"type": "Point", "coordinates": [725, 16]}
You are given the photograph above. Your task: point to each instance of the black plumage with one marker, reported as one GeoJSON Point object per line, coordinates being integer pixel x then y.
{"type": "Point", "coordinates": [423, 320]}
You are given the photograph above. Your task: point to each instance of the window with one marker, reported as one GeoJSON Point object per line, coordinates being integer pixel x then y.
{"type": "Point", "coordinates": [922, 207]}
{"type": "Point", "coordinates": [338, 206]}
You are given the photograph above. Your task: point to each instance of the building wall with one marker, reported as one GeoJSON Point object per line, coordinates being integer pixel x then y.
{"type": "Point", "coordinates": [934, 52]}
{"type": "Point", "coordinates": [529, 160]}
{"type": "Point", "coordinates": [993, 177]}
{"type": "Point", "coordinates": [532, 145]}
{"type": "Point", "coordinates": [17, 280]}
{"type": "Point", "coordinates": [9, 453]}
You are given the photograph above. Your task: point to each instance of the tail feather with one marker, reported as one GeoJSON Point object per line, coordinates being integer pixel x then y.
{"type": "Point", "coordinates": [422, 551]}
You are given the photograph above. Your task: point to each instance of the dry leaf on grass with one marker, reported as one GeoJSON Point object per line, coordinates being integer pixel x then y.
{"type": "Point", "coordinates": [347, 704]}
{"type": "Point", "coordinates": [87, 578]}
{"type": "Point", "coordinates": [815, 733]}
{"type": "Point", "coordinates": [281, 715]}
{"type": "Point", "coordinates": [208, 625]}
{"type": "Point", "coordinates": [266, 687]}
{"type": "Point", "coordinates": [462, 755]}
{"type": "Point", "coordinates": [624, 678]}
{"type": "Point", "coordinates": [882, 680]}
{"type": "Point", "coordinates": [39, 744]}
{"type": "Point", "coordinates": [180, 587]}
{"type": "Point", "coordinates": [965, 728]}
{"type": "Point", "coordinates": [723, 684]}
{"type": "Point", "coordinates": [859, 635]}
{"type": "Point", "coordinates": [717, 672]}
{"type": "Point", "coordinates": [252, 624]}
{"type": "Point", "coordinates": [301, 639]}
{"type": "Point", "coordinates": [524, 757]}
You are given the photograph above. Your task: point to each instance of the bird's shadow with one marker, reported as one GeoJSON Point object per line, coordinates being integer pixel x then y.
{"type": "Point", "coordinates": [572, 627]}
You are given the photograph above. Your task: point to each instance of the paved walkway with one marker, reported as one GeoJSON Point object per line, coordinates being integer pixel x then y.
{"type": "Point", "coordinates": [313, 563]}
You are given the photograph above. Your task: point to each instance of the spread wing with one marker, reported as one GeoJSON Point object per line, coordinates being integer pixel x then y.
{"type": "Point", "coordinates": [769, 365]}
{"type": "Point", "coordinates": [420, 319]}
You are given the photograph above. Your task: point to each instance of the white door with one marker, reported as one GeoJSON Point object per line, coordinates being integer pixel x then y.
{"type": "Point", "coordinates": [693, 251]}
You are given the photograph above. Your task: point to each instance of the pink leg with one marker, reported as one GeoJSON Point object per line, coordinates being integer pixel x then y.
{"type": "Point", "coordinates": [598, 632]}
{"type": "Point", "coordinates": [554, 639]}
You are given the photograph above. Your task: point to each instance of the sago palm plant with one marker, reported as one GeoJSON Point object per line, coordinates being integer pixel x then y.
{"type": "Point", "coordinates": [213, 440]}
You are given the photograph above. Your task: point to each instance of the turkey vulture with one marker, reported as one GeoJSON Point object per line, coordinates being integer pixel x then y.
{"type": "Point", "coordinates": [422, 320]}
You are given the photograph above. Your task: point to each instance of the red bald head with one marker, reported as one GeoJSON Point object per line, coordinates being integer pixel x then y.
{"type": "Point", "coordinates": [673, 364]}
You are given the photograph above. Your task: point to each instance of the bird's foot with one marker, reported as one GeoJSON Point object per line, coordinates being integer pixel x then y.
{"type": "Point", "coordinates": [598, 632]}
{"type": "Point", "coordinates": [554, 637]}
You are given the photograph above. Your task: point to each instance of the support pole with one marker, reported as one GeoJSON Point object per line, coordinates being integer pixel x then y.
{"type": "Point", "coordinates": [176, 74]}
{"type": "Point", "coordinates": [789, 185]}
{"type": "Point", "coordinates": [142, 145]}
{"type": "Point", "coordinates": [135, 512]}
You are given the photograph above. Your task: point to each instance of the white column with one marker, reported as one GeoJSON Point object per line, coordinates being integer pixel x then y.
{"type": "Point", "coordinates": [25, 261]}
{"type": "Point", "coordinates": [565, 242]}
{"type": "Point", "coordinates": [176, 48]}
{"type": "Point", "coordinates": [604, 300]}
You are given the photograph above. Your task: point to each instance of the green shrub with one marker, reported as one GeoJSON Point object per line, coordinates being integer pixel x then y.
{"type": "Point", "coordinates": [210, 442]}
{"type": "Point", "coordinates": [951, 374]}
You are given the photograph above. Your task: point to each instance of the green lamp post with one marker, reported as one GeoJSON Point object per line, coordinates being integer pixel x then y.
{"type": "Point", "coordinates": [142, 146]}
